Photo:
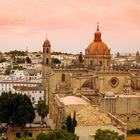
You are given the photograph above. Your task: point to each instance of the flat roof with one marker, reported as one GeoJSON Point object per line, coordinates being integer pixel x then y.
{"type": "Point", "coordinates": [73, 100]}
{"type": "Point", "coordinates": [18, 82]}
{"type": "Point", "coordinates": [128, 95]}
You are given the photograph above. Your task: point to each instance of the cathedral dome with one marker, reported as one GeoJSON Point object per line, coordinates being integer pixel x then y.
{"type": "Point", "coordinates": [97, 47]}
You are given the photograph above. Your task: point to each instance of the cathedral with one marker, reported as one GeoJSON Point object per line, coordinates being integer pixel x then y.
{"type": "Point", "coordinates": [110, 90]}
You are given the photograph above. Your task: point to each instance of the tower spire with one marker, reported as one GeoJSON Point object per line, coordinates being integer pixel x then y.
{"type": "Point", "coordinates": [97, 26]}
{"type": "Point", "coordinates": [46, 36]}
{"type": "Point", "coordinates": [97, 34]}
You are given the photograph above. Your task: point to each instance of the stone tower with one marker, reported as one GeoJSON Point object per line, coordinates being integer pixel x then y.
{"type": "Point", "coordinates": [46, 68]}
{"type": "Point", "coordinates": [137, 57]}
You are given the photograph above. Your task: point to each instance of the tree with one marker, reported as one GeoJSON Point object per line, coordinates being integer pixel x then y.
{"type": "Point", "coordinates": [42, 109]}
{"type": "Point", "coordinates": [27, 138]}
{"type": "Point", "coordinates": [108, 135]}
{"type": "Point", "coordinates": [56, 61]}
{"type": "Point", "coordinates": [80, 58]}
{"type": "Point", "coordinates": [134, 131]}
{"type": "Point", "coordinates": [2, 60]}
{"type": "Point", "coordinates": [8, 70]}
{"type": "Point", "coordinates": [71, 123]}
{"type": "Point", "coordinates": [118, 54]}
{"type": "Point", "coordinates": [57, 135]}
{"type": "Point", "coordinates": [28, 60]}
{"type": "Point", "coordinates": [16, 109]}
{"type": "Point", "coordinates": [20, 60]}
{"type": "Point", "coordinates": [74, 122]}
{"type": "Point", "coordinates": [13, 58]}
{"type": "Point", "coordinates": [17, 53]}
{"type": "Point", "coordinates": [68, 123]}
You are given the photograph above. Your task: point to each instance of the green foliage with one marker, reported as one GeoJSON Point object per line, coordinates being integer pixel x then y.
{"type": "Point", "coordinates": [24, 134]}
{"type": "Point", "coordinates": [16, 109]}
{"type": "Point", "coordinates": [108, 135]}
{"type": "Point", "coordinates": [118, 54]}
{"type": "Point", "coordinates": [60, 53]}
{"type": "Point", "coordinates": [71, 123]}
{"type": "Point", "coordinates": [17, 53]}
{"type": "Point", "coordinates": [18, 67]}
{"type": "Point", "coordinates": [57, 135]}
{"type": "Point", "coordinates": [134, 131]}
{"type": "Point", "coordinates": [42, 109]}
{"type": "Point", "coordinates": [28, 60]}
{"type": "Point", "coordinates": [8, 70]}
{"type": "Point", "coordinates": [18, 134]}
{"type": "Point", "coordinates": [2, 60]}
{"type": "Point", "coordinates": [68, 123]}
{"type": "Point", "coordinates": [24, 138]}
{"type": "Point", "coordinates": [56, 61]}
{"type": "Point", "coordinates": [38, 55]}
{"type": "Point", "coordinates": [20, 60]}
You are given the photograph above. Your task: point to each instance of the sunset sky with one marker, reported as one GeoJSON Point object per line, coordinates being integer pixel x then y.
{"type": "Point", "coordinates": [69, 24]}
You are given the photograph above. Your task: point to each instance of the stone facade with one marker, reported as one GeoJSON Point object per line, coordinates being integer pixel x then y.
{"type": "Point", "coordinates": [90, 80]}
{"type": "Point", "coordinates": [124, 107]}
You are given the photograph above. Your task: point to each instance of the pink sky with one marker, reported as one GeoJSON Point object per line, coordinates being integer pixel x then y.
{"type": "Point", "coordinates": [70, 24]}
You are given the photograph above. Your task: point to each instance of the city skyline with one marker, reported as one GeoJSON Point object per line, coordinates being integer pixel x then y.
{"type": "Point", "coordinates": [70, 25]}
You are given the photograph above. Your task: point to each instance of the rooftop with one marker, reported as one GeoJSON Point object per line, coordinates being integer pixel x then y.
{"type": "Point", "coordinates": [128, 95]}
{"type": "Point", "coordinates": [92, 117]}
{"type": "Point", "coordinates": [73, 100]}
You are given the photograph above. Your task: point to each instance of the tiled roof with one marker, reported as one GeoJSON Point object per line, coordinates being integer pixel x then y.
{"type": "Point", "coordinates": [88, 116]}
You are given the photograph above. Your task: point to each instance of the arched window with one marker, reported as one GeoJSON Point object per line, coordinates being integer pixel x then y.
{"type": "Point", "coordinates": [100, 63]}
{"type": "Point", "coordinates": [91, 62]}
{"type": "Point", "coordinates": [47, 50]}
{"type": "Point", "coordinates": [63, 78]}
{"type": "Point", "coordinates": [43, 50]}
{"type": "Point", "coordinates": [47, 61]}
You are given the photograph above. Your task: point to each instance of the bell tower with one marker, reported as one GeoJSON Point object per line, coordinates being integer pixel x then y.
{"type": "Point", "coordinates": [46, 68]}
{"type": "Point", "coordinates": [47, 53]}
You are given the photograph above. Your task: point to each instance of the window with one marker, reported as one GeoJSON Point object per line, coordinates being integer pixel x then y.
{"type": "Point", "coordinates": [47, 61]}
{"type": "Point", "coordinates": [47, 50]}
{"type": "Point", "coordinates": [114, 82]}
{"type": "Point", "coordinates": [63, 78]}
{"type": "Point", "coordinates": [91, 63]}
{"type": "Point", "coordinates": [43, 50]}
{"type": "Point", "coordinates": [100, 62]}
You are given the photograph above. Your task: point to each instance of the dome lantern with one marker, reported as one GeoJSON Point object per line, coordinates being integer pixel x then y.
{"type": "Point", "coordinates": [97, 35]}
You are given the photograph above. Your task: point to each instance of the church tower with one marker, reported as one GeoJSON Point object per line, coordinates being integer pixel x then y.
{"type": "Point", "coordinates": [137, 57]}
{"type": "Point", "coordinates": [46, 68]}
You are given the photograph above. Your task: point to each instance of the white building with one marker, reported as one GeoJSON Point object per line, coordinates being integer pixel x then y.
{"type": "Point", "coordinates": [34, 93]}
{"type": "Point", "coordinates": [8, 85]}
{"type": "Point", "coordinates": [17, 74]}
{"type": "Point", "coordinates": [26, 65]}
{"type": "Point", "coordinates": [4, 65]}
